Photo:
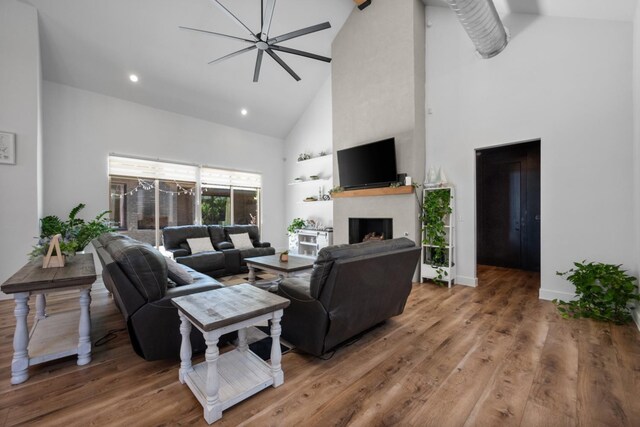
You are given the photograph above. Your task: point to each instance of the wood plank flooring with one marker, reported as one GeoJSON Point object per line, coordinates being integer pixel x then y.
{"type": "Point", "coordinates": [494, 355]}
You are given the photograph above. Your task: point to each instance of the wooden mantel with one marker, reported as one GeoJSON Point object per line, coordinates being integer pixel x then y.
{"type": "Point", "coordinates": [370, 192]}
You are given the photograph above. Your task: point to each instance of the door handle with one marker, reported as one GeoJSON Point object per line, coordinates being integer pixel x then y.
{"type": "Point", "coordinates": [517, 226]}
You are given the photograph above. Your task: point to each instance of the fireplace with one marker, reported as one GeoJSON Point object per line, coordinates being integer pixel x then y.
{"type": "Point", "coordinates": [361, 229]}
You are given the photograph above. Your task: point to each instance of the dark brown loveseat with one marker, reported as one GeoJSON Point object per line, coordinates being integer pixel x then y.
{"type": "Point", "coordinates": [351, 289]}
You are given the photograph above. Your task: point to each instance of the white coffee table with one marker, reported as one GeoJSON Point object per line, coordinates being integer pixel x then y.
{"type": "Point", "coordinates": [221, 381]}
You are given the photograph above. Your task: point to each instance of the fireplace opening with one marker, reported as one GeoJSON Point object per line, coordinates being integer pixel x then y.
{"type": "Point", "coordinates": [365, 229]}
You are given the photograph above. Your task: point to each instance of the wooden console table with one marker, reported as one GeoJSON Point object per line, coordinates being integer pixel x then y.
{"type": "Point", "coordinates": [222, 381]}
{"type": "Point", "coordinates": [52, 336]}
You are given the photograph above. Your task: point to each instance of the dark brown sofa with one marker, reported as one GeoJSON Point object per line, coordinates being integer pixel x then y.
{"type": "Point", "coordinates": [351, 289]}
{"type": "Point", "coordinates": [136, 275]}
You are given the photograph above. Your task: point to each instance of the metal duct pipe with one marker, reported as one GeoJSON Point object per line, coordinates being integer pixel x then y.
{"type": "Point", "coordinates": [483, 25]}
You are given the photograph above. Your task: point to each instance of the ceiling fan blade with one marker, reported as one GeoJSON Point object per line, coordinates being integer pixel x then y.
{"type": "Point", "coordinates": [231, 55]}
{"type": "Point", "coordinates": [300, 53]}
{"type": "Point", "coordinates": [282, 64]}
{"type": "Point", "coordinates": [234, 18]}
{"type": "Point", "coordinates": [266, 23]}
{"type": "Point", "coordinates": [256, 73]}
{"type": "Point", "coordinates": [216, 34]}
{"type": "Point", "coordinates": [299, 33]}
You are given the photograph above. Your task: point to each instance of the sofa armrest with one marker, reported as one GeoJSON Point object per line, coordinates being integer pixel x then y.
{"type": "Point", "coordinates": [257, 244]}
{"type": "Point", "coordinates": [221, 246]}
{"type": "Point", "coordinates": [178, 252]}
{"type": "Point", "coordinates": [192, 289]}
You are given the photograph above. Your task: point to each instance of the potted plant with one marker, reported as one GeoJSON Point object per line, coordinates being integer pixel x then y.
{"type": "Point", "coordinates": [295, 225]}
{"type": "Point", "coordinates": [435, 207]}
{"type": "Point", "coordinates": [603, 292]}
{"type": "Point", "coordinates": [284, 256]}
{"type": "Point", "coordinates": [75, 232]}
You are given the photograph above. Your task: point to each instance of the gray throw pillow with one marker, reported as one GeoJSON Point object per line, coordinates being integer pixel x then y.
{"type": "Point", "coordinates": [178, 273]}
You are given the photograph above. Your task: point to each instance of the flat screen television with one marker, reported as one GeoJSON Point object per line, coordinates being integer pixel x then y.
{"type": "Point", "coordinates": [368, 165]}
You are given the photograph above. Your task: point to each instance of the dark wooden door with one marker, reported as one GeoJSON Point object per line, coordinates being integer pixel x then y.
{"type": "Point", "coordinates": [508, 206]}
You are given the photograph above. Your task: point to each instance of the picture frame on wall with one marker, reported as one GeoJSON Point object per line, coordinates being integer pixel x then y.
{"type": "Point", "coordinates": [7, 148]}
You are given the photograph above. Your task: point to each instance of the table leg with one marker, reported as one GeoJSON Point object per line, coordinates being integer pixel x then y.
{"type": "Point", "coordinates": [185, 347]}
{"type": "Point", "coordinates": [242, 340]}
{"type": "Point", "coordinates": [41, 306]}
{"type": "Point", "coordinates": [84, 329]}
{"type": "Point", "coordinates": [252, 274]}
{"type": "Point", "coordinates": [213, 408]}
{"type": "Point", "coordinates": [20, 361]}
{"type": "Point", "coordinates": [276, 353]}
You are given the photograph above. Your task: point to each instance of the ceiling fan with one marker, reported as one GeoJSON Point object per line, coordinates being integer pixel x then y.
{"type": "Point", "coordinates": [261, 40]}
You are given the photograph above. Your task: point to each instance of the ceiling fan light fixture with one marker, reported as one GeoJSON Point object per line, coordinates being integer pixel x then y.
{"type": "Point", "coordinates": [244, 112]}
{"type": "Point", "coordinates": [134, 78]}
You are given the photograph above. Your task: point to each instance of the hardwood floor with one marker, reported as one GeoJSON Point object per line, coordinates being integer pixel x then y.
{"type": "Point", "coordinates": [494, 355]}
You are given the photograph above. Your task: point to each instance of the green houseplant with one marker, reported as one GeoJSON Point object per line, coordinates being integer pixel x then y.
{"type": "Point", "coordinates": [76, 233]}
{"type": "Point", "coordinates": [435, 207]}
{"type": "Point", "coordinates": [295, 225]}
{"type": "Point", "coordinates": [603, 292]}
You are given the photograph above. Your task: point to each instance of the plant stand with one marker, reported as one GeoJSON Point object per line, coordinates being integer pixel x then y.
{"type": "Point", "coordinates": [429, 266]}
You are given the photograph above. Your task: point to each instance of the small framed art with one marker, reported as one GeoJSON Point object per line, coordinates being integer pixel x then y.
{"type": "Point", "coordinates": [7, 148]}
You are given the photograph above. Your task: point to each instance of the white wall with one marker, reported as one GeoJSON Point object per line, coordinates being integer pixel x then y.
{"type": "Point", "coordinates": [636, 117]}
{"type": "Point", "coordinates": [81, 128]}
{"type": "Point", "coordinates": [20, 83]}
{"type": "Point", "coordinates": [311, 134]}
{"type": "Point", "coordinates": [565, 81]}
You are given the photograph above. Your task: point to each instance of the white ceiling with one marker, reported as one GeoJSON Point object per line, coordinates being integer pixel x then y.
{"type": "Point", "coordinates": [612, 10]}
{"type": "Point", "coordinates": [96, 44]}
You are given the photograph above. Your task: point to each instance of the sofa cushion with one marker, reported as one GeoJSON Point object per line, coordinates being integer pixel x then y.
{"type": "Point", "coordinates": [144, 266]}
{"type": "Point", "coordinates": [327, 256]}
{"type": "Point", "coordinates": [204, 261]}
{"type": "Point", "coordinates": [253, 252]}
{"type": "Point", "coordinates": [253, 230]}
{"type": "Point", "coordinates": [241, 241]}
{"type": "Point", "coordinates": [178, 273]}
{"type": "Point", "coordinates": [173, 236]}
{"type": "Point", "coordinates": [216, 233]}
{"type": "Point", "coordinates": [201, 244]}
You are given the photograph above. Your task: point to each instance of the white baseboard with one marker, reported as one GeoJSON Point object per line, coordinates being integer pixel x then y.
{"type": "Point", "coordinates": [636, 316]}
{"type": "Point", "coordinates": [466, 281]}
{"type": "Point", "coordinates": [549, 295]}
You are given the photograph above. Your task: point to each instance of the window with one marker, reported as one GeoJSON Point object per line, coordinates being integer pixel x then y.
{"type": "Point", "coordinates": [146, 196]}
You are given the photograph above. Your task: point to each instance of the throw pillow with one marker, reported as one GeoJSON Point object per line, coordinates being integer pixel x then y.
{"type": "Point", "coordinates": [178, 273]}
{"type": "Point", "coordinates": [201, 244]}
{"type": "Point", "coordinates": [241, 241]}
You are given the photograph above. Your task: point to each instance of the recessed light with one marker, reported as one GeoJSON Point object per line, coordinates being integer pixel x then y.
{"type": "Point", "coordinates": [244, 112]}
{"type": "Point", "coordinates": [133, 78]}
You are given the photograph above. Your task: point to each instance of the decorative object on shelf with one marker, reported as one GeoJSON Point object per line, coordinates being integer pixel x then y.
{"type": "Point", "coordinates": [395, 184]}
{"type": "Point", "coordinates": [298, 179]}
{"type": "Point", "coordinates": [52, 260]}
{"type": "Point", "coordinates": [75, 233]}
{"type": "Point", "coordinates": [284, 256]}
{"type": "Point", "coordinates": [336, 189]}
{"type": "Point", "coordinates": [304, 156]}
{"type": "Point", "coordinates": [314, 177]}
{"type": "Point", "coordinates": [603, 292]}
{"type": "Point", "coordinates": [322, 153]}
{"type": "Point", "coordinates": [311, 199]}
{"type": "Point", "coordinates": [7, 148]}
{"type": "Point", "coordinates": [432, 178]}
{"type": "Point", "coordinates": [262, 42]}
{"type": "Point", "coordinates": [326, 197]}
{"type": "Point", "coordinates": [442, 178]}
{"type": "Point", "coordinates": [296, 224]}
{"type": "Point", "coordinates": [436, 209]}
{"type": "Point", "coordinates": [407, 180]}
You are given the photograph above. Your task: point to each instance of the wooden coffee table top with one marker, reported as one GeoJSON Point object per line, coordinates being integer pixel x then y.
{"type": "Point", "coordinates": [225, 306]}
{"type": "Point", "coordinates": [273, 262]}
{"type": "Point", "coordinates": [78, 270]}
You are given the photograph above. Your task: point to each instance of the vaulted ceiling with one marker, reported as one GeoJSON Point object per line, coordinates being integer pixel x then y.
{"type": "Point", "coordinates": [95, 45]}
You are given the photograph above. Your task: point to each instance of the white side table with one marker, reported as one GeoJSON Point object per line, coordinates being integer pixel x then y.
{"type": "Point", "coordinates": [57, 335]}
{"type": "Point", "coordinates": [221, 381]}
